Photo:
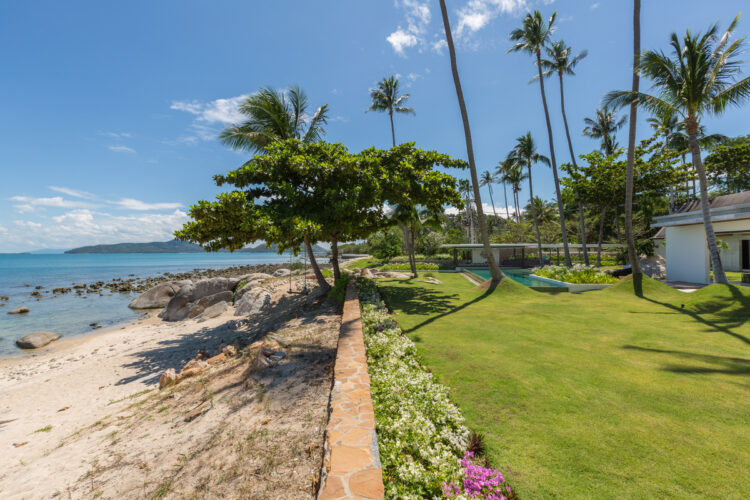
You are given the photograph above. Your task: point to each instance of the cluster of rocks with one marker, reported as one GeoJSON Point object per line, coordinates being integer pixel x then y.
{"type": "Point", "coordinates": [374, 274]}
{"type": "Point", "coordinates": [200, 362]}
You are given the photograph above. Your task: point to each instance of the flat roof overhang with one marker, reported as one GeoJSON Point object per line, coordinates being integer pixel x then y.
{"type": "Point", "coordinates": [719, 214]}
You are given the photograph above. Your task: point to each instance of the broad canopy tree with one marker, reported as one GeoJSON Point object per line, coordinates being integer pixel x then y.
{"type": "Point", "coordinates": [301, 193]}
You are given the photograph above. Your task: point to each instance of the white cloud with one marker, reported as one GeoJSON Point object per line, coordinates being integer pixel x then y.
{"type": "Point", "coordinates": [121, 149]}
{"type": "Point", "coordinates": [27, 223]}
{"type": "Point", "coordinates": [30, 204]}
{"type": "Point", "coordinates": [594, 5]}
{"type": "Point", "coordinates": [224, 111]}
{"type": "Point", "coordinates": [131, 204]}
{"type": "Point", "coordinates": [117, 135]}
{"type": "Point", "coordinates": [487, 210]}
{"type": "Point", "coordinates": [3, 230]}
{"type": "Point", "coordinates": [400, 40]}
{"type": "Point", "coordinates": [478, 13]}
{"type": "Point", "coordinates": [73, 192]}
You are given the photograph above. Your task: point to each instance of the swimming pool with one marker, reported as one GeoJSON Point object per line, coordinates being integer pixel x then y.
{"type": "Point", "coordinates": [519, 275]}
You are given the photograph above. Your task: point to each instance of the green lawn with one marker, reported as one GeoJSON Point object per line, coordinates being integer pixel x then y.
{"type": "Point", "coordinates": [595, 395]}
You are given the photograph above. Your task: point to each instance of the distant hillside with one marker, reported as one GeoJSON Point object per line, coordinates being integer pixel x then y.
{"type": "Point", "coordinates": [174, 246]}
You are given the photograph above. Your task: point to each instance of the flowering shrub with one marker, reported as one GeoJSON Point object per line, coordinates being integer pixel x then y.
{"type": "Point", "coordinates": [479, 482]}
{"type": "Point", "coordinates": [579, 273]}
{"type": "Point", "coordinates": [421, 434]}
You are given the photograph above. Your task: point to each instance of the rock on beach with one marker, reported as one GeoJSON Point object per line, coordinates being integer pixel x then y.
{"type": "Point", "coordinates": [36, 340]}
{"type": "Point", "coordinates": [20, 310]}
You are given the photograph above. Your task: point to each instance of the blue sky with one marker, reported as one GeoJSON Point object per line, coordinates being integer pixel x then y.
{"type": "Point", "coordinates": [110, 111]}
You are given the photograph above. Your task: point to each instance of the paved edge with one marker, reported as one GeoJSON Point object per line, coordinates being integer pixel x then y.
{"type": "Point", "coordinates": [351, 468]}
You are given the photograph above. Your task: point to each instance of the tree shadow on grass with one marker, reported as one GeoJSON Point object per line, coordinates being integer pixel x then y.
{"type": "Point", "coordinates": [723, 311]}
{"type": "Point", "coordinates": [417, 300]}
{"type": "Point", "coordinates": [727, 365]}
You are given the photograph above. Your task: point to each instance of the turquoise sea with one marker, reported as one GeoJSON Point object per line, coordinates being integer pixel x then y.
{"type": "Point", "coordinates": [71, 315]}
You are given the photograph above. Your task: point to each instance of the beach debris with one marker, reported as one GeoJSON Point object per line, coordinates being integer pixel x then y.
{"type": "Point", "coordinates": [36, 340]}
{"type": "Point", "coordinates": [193, 367]}
{"type": "Point", "coordinates": [167, 378]}
{"type": "Point", "coordinates": [63, 409]}
{"type": "Point", "coordinates": [18, 445]}
{"type": "Point", "coordinates": [20, 310]}
{"type": "Point", "coordinates": [158, 296]}
{"type": "Point", "coordinates": [197, 412]}
{"type": "Point", "coordinates": [229, 351]}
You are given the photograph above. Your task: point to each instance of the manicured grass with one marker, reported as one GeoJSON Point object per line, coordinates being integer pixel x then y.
{"type": "Point", "coordinates": [595, 395]}
{"type": "Point", "coordinates": [731, 275]}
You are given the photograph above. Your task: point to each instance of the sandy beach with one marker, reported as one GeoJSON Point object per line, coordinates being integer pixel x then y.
{"type": "Point", "coordinates": [85, 418]}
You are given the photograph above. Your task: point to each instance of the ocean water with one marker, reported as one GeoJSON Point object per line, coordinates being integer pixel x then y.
{"type": "Point", "coordinates": [69, 314]}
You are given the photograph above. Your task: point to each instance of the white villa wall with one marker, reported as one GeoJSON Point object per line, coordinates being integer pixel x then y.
{"type": "Point", "coordinates": [687, 254]}
{"type": "Point", "coordinates": [731, 259]}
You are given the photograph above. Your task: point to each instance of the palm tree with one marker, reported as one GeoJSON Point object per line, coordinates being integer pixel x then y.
{"type": "Point", "coordinates": [532, 38]}
{"type": "Point", "coordinates": [545, 210]}
{"type": "Point", "coordinates": [274, 115]}
{"type": "Point", "coordinates": [495, 272]}
{"type": "Point", "coordinates": [562, 62]}
{"type": "Point", "coordinates": [487, 179]}
{"type": "Point", "coordinates": [386, 97]}
{"type": "Point", "coordinates": [698, 79]}
{"type": "Point", "coordinates": [514, 175]}
{"type": "Point", "coordinates": [525, 154]}
{"type": "Point", "coordinates": [412, 219]}
{"type": "Point", "coordinates": [635, 261]}
{"type": "Point", "coordinates": [464, 187]}
{"type": "Point", "coordinates": [604, 126]}
{"type": "Point", "coordinates": [499, 174]}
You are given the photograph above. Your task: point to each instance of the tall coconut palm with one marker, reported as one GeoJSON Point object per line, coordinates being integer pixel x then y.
{"type": "Point", "coordinates": [525, 153]}
{"type": "Point", "coordinates": [699, 78]}
{"type": "Point", "coordinates": [386, 98]}
{"type": "Point", "coordinates": [635, 261]}
{"type": "Point", "coordinates": [561, 62]}
{"type": "Point", "coordinates": [464, 187]}
{"type": "Point", "coordinates": [274, 115]}
{"type": "Point", "coordinates": [487, 179]}
{"type": "Point", "coordinates": [514, 175]}
{"type": "Point", "coordinates": [604, 126]}
{"type": "Point", "coordinates": [532, 38]}
{"type": "Point", "coordinates": [495, 272]}
{"type": "Point", "coordinates": [546, 211]}
{"type": "Point", "coordinates": [499, 174]}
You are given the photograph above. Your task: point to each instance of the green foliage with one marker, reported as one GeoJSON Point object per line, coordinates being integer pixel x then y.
{"type": "Point", "coordinates": [576, 274]}
{"type": "Point", "coordinates": [238, 288]}
{"type": "Point", "coordinates": [338, 291]}
{"type": "Point", "coordinates": [406, 267]}
{"type": "Point", "coordinates": [728, 165]}
{"type": "Point", "coordinates": [385, 244]}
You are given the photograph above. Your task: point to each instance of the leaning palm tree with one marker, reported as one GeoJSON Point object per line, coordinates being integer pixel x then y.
{"type": "Point", "coordinates": [604, 126]}
{"type": "Point", "coordinates": [561, 62]}
{"type": "Point", "coordinates": [700, 78]}
{"type": "Point", "coordinates": [386, 97]}
{"type": "Point", "coordinates": [525, 153]}
{"type": "Point", "coordinates": [495, 272]}
{"type": "Point", "coordinates": [272, 116]}
{"type": "Point", "coordinates": [487, 179]}
{"type": "Point", "coordinates": [532, 38]}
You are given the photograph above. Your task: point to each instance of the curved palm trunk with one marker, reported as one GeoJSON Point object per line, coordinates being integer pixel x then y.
{"type": "Point", "coordinates": [492, 201]}
{"type": "Point", "coordinates": [560, 207]}
{"type": "Point", "coordinates": [713, 248]}
{"type": "Point", "coordinates": [393, 130]}
{"type": "Point", "coordinates": [581, 225]}
{"type": "Point", "coordinates": [335, 258]}
{"type": "Point", "coordinates": [316, 269]}
{"type": "Point", "coordinates": [533, 216]}
{"type": "Point", "coordinates": [629, 187]}
{"type": "Point", "coordinates": [505, 193]}
{"type": "Point", "coordinates": [497, 274]}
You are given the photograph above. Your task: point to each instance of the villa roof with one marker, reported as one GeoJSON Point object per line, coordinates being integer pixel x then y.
{"type": "Point", "coordinates": [723, 208]}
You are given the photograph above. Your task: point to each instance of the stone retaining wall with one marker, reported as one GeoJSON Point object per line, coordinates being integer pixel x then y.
{"type": "Point", "coordinates": [352, 465]}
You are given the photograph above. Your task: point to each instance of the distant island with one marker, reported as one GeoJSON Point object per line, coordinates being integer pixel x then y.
{"type": "Point", "coordinates": [173, 246]}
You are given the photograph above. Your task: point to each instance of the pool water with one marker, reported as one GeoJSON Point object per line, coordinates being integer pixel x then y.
{"type": "Point", "coordinates": [520, 275]}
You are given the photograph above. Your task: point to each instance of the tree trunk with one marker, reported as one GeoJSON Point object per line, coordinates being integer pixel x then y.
{"type": "Point", "coordinates": [617, 224]}
{"type": "Point", "coordinates": [629, 184]}
{"type": "Point", "coordinates": [582, 226]}
{"type": "Point", "coordinates": [533, 215]}
{"type": "Point", "coordinates": [393, 130]}
{"type": "Point", "coordinates": [560, 206]}
{"type": "Point", "coordinates": [494, 212]}
{"type": "Point", "coordinates": [335, 258]}
{"type": "Point", "coordinates": [691, 126]}
{"type": "Point", "coordinates": [316, 269]}
{"type": "Point", "coordinates": [601, 237]}
{"type": "Point", "coordinates": [505, 192]}
{"type": "Point", "coordinates": [412, 258]}
{"type": "Point", "coordinates": [497, 274]}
